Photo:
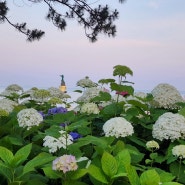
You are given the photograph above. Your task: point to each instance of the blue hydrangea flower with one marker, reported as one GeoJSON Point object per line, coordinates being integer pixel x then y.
{"type": "Point", "coordinates": [42, 114]}
{"type": "Point", "coordinates": [57, 110]}
{"type": "Point", "coordinates": [75, 135]}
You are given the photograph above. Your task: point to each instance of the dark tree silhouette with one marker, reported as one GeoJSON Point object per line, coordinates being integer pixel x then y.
{"type": "Point", "coordinates": [94, 20]}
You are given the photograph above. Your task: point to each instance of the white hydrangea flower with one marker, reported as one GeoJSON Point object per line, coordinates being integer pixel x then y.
{"type": "Point", "coordinates": [8, 93]}
{"type": "Point", "coordinates": [55, 144]}
{"type": "Point", "coordinates": [40, 95]}
{"type": "Point", "coordinates": [54, 101]}
{"type": "Point", "coordinates": [152, 145]}
{"type": "Point", "coordinates": [65, 139]}
{"type": "Point", "coordinates": [166, 96]}
{"type": "Point", "coordinates": [52, 143]}
{"type": "Point", "coordinates": [86, 82]}
{"type": "Point", "coordinates": [179, 151]}
{"type": "Point", "coordinates": [118, 127]}
{"type": "Point", "coordinates": [56, 92]}
{"type": "Point", "coordinates": [140, 94]}
{"type": "Point", "coordinates": [14, 87]}
{"type": "Point", "coordinates": [118, 98]}
{"type": "Point", "coordinates": [169, 126]}
{"type": "Point", "coordinates": [90, 108]}
{"type": "Point", "coordinates": [29, 118]}
{"type": "Point", "coordinates": [88, 94]}
{"type": "Point", "coordinates": [30, 91]}
{"type": "Point", "coordinates": [7, 105]}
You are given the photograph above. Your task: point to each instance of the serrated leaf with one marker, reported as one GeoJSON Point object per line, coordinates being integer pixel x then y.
{"type": "Point", "coordinates": [150, 177]}
{"type": "Point", "coordinates": [5, 171]}
{"type": "Point", "coordinates": [15, 141]}
{"type": "Point", "coordinates": [174, 169]}
{"type": "Point", "coordinates": [71, 182]}
{"type": "Point", "coordinates": [6, 155]}
{"type": "Point", "coordinates": [171, 183]}
{"type": "Point", "coordinates": [103, 96]}
{"type": "Point", "coordinates": [41, 159]}
{"type": "Point", "coordinates": [109, 164]}
{"type": "Point", "coordinates": [49, 172]}
{"type": "Point", "coordinates": [106, 81]}
{"type": "Point", "coordinates": [78, 174]}
{"type": "Point", "coordinates": [121, 70]}
{"type": "Point", "coordinates": [22, 154]}
{"type": "Point", "coordinates": [122, 88]}
{"type": "Point", "coordinates": [96, 173]}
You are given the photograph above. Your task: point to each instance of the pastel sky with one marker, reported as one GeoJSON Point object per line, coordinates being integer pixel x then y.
{"type": "Point", "coordinates": [150, 40]}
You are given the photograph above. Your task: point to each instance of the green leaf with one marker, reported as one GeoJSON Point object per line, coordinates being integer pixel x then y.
{"type": "Point", "coordinates": [119, 146]}
{"type": "Point", "coordinates": [71, 182]}
{"type": "Point", "coordinates": [150, 177]}
{"type": "Point", "coordinates": [78, 125]}
{"type": "Point", "coordinates": [132, 175]}
{"type": "Point", "coordinates": [6, 155]}
{"type": "Point", "coordinates": [109, 164]}
{"type": "Point", "coordinates": [165, 176]}
{"type": "Point", "coordinates": [15, 140]}
{"type": "Point", "coordinates": [97, 173]}
{"type": "Point", "coordinates": [113, 109]}
{"type": "Point", "coordinates": [182, 111]}
{"type": "Point", "coordinates": [153, 155]}
{"type": "Point", "coordinates": [41, 159]}
{"type": "Point", "coordinates": [78, 174]}
{"type": "Point", "coordinates": [171, 183]}
{"type": "Point", "coordinates": [174, 169]}
{"type": "Point", "coordinates": [101, 142]}
{"type": "Point", "coordinates": [52, 174]}
{"type": "Point", "coordinates": [106, 81]}
{"type": "Point", "coordinates": [103, 96]}
{"type": "Point", "coordinates": [123, 158]}
{"type": "Point", "coordinates": [122, 88]}
{"type": "Point", "coordinates": [22, 154]}
{"type": "Point", "coordinates": [124, 166]}
{"type": "Point", "coordinates": [6, 171]}
{"type": "Point", "coordinates": [138, 141]}
{"type": "Point", "coordinates": [79, 91]}
{"type": "Point", "coordinates": [136, 155]}
{"type": "Point", "coordinates": [15, 183]}
{"type": "Point", "coordinates": [120, 70]}
{"type": "Point", "coordinates": [138, 103]}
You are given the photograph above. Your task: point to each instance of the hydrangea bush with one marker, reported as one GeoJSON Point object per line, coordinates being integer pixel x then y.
{"type": "Point", "coordinates": [114, 135]}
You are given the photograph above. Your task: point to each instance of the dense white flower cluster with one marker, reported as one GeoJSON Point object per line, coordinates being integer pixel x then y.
{"type": "Point", "coordinates": [140, 94]}
{"type": "Point", "coordinates": [179, 151]}
{"type": "Point", "coordinates": [29, 92]}
{"type": "Point", "coordinates": [169, 126]}
{"type": "Point", "coordinates": [56, 92]}
{"type": "Point", "coordinates": [14, 87]}
{"type": "Point", "coordinates": [40, 95]}
{"type": "Point", "coordinates": [118, 127]}
{"type": "Point", "coordinates": [55, 144]}
{"type": "Point", "coordinates": [65, 163]}
{"type": "Point", "coordinates": [152, 145]}
{"type": "Point", "coordinates": [88, 94]}
{"type": "Point", "coordinates": [7, 105]}
{"type": "Point", "coordinates": [29, 117]}
{"type": "Point", "coordinates": [10, 93]}
{"type": "Point", "coordinates": [86, 82]}
{"type": "Point", "coordinates": [166, 96]}
{"type": "Point", "coordinates": [89, 108]}
{"type": "Point", "coordinates": [118, 98]}
{"type": "Point", "coordinates": [54, 101]}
